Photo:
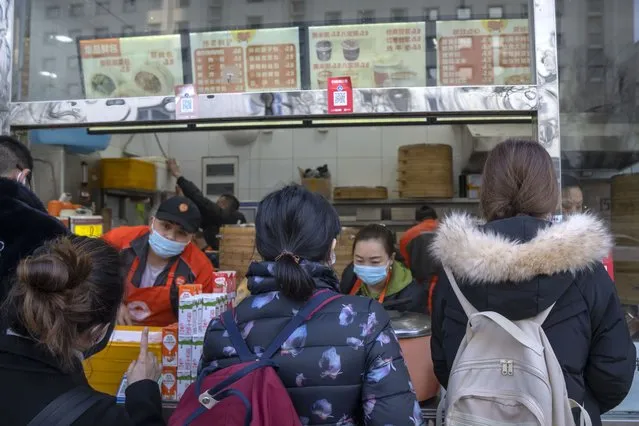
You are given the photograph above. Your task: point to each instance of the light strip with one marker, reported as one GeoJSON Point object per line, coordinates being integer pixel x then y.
{"type": "Point", "coordinates": [249, 124]}
{"type": "Point", "coordinates": [323, 122]}
{"type": "Point", "coordinates": [496, 118]}
{"type": "Point", "coordinates": [107, 129]}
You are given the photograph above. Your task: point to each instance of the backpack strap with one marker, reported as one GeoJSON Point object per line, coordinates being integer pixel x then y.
{"type": "Point", "coordinates": [314, 305]}
{"type": "Point", "coordinates": [241, 348]}
{"type": "Point", "coordinates": [468, 308]}
{"type": "Point", "coordinates": [67, 408]}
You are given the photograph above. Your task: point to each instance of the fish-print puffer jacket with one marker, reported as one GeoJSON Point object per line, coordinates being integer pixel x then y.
{"type": "Point", "coordinates": [343, 367]}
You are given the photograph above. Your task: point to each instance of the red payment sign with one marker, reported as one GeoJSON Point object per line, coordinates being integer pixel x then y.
{"type": "Point", "coordinates": [340, 95]}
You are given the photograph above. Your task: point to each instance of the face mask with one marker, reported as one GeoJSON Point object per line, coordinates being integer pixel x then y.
{"type": "Point", "coordinates": [164, 247]}
{"type": "Point", "coordinates": [333, 258]}
{"type": "Point", "coordinates": [23, 179]}
{"type": "Point", "coordinates": [101, 344]}
{"type": "Point", "coordinates": [371, 275]}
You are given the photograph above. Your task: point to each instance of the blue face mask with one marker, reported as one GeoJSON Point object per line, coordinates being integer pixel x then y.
{"type": "Point", "coordinates": [164, 247]}
{"type": "Point", "coordinates": [371, 275]}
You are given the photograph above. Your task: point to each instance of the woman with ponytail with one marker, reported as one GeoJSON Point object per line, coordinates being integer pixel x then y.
{"type": "Point", "coordinates": [61, 310]}
{"type": "Point", "coordinates": [344, 365]}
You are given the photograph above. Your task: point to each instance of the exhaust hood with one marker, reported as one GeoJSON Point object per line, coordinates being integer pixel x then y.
{"type": "Point", "coordinates": [589, 142]}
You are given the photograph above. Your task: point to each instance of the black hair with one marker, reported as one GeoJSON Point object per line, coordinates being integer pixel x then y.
{"type": "Point", "coordinates": [378, 232]}
{"type": "Point", "coordinates": [425, 212]}
{"type": "Point", "coordinates": [234, 203]}
{"type": "Point", "coordinates": [14, 154]}
{"type": "Point", "coordinates": [296, 221]}
{"type": "Point", "coordinates": [568, 181]}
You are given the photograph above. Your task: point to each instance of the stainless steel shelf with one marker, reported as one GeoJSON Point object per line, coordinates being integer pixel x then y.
{"type": "Point", "coordinates": [407, 202]}
{"type": "Point", "coordinates": [389, 223]}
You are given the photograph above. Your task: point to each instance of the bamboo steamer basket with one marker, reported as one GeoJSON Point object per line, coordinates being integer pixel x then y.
{"type": "Point", "coordinates": [237, 249]}
{"type": "Point", "coordinates": [624, 217]}
{"type": "Point", "coordinates": [425, 171]}
{"type": "Point", "coordinates": [344, 250]}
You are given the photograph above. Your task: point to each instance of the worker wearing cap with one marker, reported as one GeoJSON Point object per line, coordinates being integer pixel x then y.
{"type": "Point", "coordinates": [159, 258]}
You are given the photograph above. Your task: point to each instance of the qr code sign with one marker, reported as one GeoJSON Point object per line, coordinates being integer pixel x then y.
{"type": "Point", "coordinates": [340, 99]}
{"type": "Point", "coordinates": [187, 105]}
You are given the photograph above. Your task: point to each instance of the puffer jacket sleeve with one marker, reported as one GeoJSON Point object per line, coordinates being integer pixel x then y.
{"type": "Point", "coordinates": [387, 394]}
{"type": "Point", "coordinates": [611, 362]}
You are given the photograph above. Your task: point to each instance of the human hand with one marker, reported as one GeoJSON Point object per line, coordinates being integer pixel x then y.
{"type": "Point", "coordinates": [146, 367]}
{"type": "Point", "coordinates": [124, 316]}
{"type": "Point", "coordinates": [174, 168]}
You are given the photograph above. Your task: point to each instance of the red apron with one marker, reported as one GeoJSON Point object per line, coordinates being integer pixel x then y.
{"type": "Point", "coordinates": [150, 306]}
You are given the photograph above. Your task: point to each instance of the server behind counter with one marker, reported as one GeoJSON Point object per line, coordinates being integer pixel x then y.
{"type": "Point", "coordinates": [376, 273]}
{"type": "Point", "coordinates": [214, 215]}
{"type": "Point", "coordinates": [158, 258]}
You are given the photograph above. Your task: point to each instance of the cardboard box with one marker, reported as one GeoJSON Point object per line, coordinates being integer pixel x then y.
{"type": "Point", "coordinates": [170, 346]}
{"type": "Point", "coordinates": [169, 384]}
{"type": "Point", "coordinates": [184, 380]}
{"type": "Point", "coordinates": [185, 353]}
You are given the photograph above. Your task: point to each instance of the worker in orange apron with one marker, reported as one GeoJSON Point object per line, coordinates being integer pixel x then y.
{"type": "Point", "coordinates": [376, 273]}
{"type": "Point", "coordinates": [415, 249]}
{"type": "Point", "coordinates": [159, 258]}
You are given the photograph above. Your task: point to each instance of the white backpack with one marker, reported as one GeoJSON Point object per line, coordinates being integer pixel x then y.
{"type": "Point", "coordinates": [506, 373]}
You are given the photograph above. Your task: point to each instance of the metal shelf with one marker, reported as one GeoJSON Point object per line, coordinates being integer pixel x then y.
{"type": "Point", "coordinates": [406, 202]}
{"type": "Point", "coordinates": [356, 223]}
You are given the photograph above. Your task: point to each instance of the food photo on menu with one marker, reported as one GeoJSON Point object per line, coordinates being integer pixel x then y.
{"type": "Point", "coordinates": [131, 66]}
{"type": "Point", "coordinates": [375, 55]}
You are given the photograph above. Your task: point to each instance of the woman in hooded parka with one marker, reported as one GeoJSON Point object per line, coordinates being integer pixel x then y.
{"type": "Point", "coordinates": [518, 264]}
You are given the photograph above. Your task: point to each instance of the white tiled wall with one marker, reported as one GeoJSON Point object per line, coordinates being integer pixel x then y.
{"type": "Point", "coordinates": [355, 156]}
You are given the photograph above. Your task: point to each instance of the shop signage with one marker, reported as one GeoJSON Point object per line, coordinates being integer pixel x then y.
{"type": "Point", "coordinates": [340, 95]}
{"type": "Point", "coordinates": [131, 66]}
{"type": "Point", "coordinates": [375, 55]}
{"type": "Point", "coordinates": [246, 60]}
{"type": "Point", "coordinates": [93, 231]}
{"type": "Point", "coordinates": [483, 52]}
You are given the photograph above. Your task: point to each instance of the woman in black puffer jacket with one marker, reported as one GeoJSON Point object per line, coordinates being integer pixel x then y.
{"type": "Point", "coordinates": [344, 367]}
{"type": "Point", "coordinates": [518, 264]}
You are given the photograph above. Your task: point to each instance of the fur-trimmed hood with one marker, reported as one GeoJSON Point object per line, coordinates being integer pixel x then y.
{"type": "Point", "coordinates": [519, 249]}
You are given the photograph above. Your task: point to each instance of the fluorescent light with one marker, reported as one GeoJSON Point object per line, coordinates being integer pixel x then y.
{"type": "Point", "coordinates": [324, 121]}
{"type": "Point", "coordinates": [149, 128]}
{"type": "Point", "coordinates": [63, 39]}
{"type": "Point", "coordinates": [48, 74]}
{"type": "Point", "coordinates": [479, 118]}
{"type": "Point", "coordinates": [249, 124]}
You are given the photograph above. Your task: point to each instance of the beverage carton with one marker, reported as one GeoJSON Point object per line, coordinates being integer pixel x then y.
{"type": "Point", "coordinates": [184, 380]}
{"type": "Point", "coordinates": [169, 383]}
{"type": "Point", "coordinates": [189, 290]}
{"type": "Point", "coordinates": [170, 346]}
{"type": "Point", "coordinates": [186, 316]}
{"type": "Point", "coordinates": [185, 353]}
{"type": "Point", "coordinates": [198, 346]}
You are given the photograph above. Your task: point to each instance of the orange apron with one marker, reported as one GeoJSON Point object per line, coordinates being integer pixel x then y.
{"type": "Point", "coordinates": [150, 306]}
{"type": "Point", "coordinates": [382, 295]}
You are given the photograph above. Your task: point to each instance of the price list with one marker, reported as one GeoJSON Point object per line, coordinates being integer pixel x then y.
{"type": "Point", "coordinates": [483, 52]}
{"type": "Point", "coordinates": [272, 66]}
{"type": "Point", "coordinates": [245, 61]}
{"type": "Point", "coordinates": [219, 70]}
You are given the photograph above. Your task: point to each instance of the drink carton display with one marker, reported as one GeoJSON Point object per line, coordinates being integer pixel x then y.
{"type": "Point", "coordinates": [185, 353]}
{"type": "Point", "coordinates": [224, 281]}
{"type": "Point", "coordinates": [198, 346]}
{"type": "Point", "coordinates": [189, 290]}
{"type": "Point", "coordinates": [170, 346]}
{"type": "Point", "coordinates": [169, 383]}
{"type": "Point", "coordinates": [186, 316]}
{"type": "Point", "coordinates": [184, 380]}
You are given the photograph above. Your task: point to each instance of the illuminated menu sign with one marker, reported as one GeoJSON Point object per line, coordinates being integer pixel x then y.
{"type": "Point", "coordinates": [375, 55]}
{"type": "Point", "coordinates": [246, 61]}
{"type": "Point", "coordinates": [483, 52]}
{"type": "Point", "coordinates": [131, 66]}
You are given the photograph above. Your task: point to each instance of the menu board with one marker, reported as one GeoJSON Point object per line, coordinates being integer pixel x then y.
{"type": "Point", "coordinates": [131, 66]}
{"type": "Point", "coordinates": [375, 55]}
{"type": "Point", "coordinates": [483, 52]}
{"type": "Point", "coordinates": [246, 61]}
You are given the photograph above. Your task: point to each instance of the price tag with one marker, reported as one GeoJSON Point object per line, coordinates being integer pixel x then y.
{"type": "Point", "coordinates": [93, 231]}
{"type": "Point", "coordinates": [340, 95]}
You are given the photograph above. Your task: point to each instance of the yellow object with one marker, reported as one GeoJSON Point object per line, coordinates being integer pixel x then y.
{"type": "Point", "coordinates": [128, 173]}
{"type": "Point", "coordinates": [105, 370]}
{"type": "Point", "coordinates": [241, 292]}
{"type": "Point", "coordinates": [93, 231]}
